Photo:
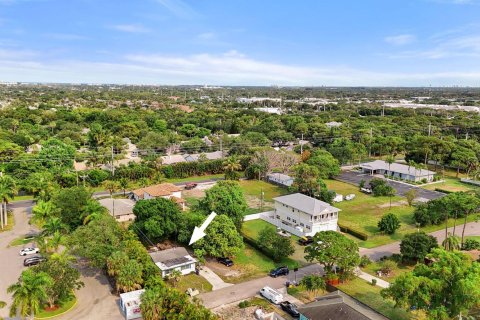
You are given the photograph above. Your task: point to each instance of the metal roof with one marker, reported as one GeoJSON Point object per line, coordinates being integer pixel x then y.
{"type": "Point", "coordinates": [306, 204]}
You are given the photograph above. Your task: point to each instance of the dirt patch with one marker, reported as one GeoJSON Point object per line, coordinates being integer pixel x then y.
{"type": "Point", "coordinates": [234, 312]}
{"type": "Point", "coordinates": [194, 193]}
{"type": "Point", "coordinates": [256, 202]}
{"type": "Point", "coordinates": [222, 270]}
{"type": "Point", "coordinates": [394, 204]}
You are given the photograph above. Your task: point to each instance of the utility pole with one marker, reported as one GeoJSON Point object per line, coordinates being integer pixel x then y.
{"type": "Point", "coordinates": [113, 167]}
{"type": "Point", "coordinates": [466, 136]}
{"type": "Point", "coordinates": [301, 145]}
{"type": "Point", "coordinates": [429, 129]}
{"type": "Point", "coordinates": [262, 198]}
{"type": "Point", "coordinates": [370, 144]}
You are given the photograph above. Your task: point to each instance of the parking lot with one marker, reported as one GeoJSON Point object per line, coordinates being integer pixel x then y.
{"type": "Point", "coordinates": [354, 177]}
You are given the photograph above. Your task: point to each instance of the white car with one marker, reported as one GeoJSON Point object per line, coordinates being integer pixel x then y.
{"type": "Point", "coordinates": [28, 251]}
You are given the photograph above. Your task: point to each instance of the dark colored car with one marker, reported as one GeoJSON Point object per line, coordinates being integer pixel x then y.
{"type": "Point", "coordinates": [280, 271]}
{"type": "Point", "coordinates": [225, 261]}
{"type": "Point", "coordinates": [33, 261]}
{"type": "Point", "coordinates": [290, 308]}
{"type": "Point", "coordinates": [190, 186]}
{"type": "Point", "coordinates": [305, 241]}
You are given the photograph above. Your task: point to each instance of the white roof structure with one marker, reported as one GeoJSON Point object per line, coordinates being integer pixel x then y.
{"type": "Point", "coordinates": [122, 206]}
{"type": "Point", "coordinates": [306, 204]}
{"type": "Point", "coordinates": [333, 124]}
{"type": "Point", "coordinates": [279, 176]}
{"type": "Point", "coordinates": [396, 167]}
{"type": "Point", "coordinates": [171, 258]}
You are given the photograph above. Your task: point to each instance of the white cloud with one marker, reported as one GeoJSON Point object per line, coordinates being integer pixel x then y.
{"type": "Point", "coordinates": [230, 68]}
{"type": "Point", "coordinates": [400, 40]}
{"type": "Point", "coordinates": [131, 28]}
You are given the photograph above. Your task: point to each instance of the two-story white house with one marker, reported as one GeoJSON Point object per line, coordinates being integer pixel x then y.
{"type": "Point", "coordinates": [303, 215]}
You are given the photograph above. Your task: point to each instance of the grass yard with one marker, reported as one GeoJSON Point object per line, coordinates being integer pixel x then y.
{"type": "Point", "coordinates": [399, 269]}
{"type": "Point", "coordinates": [24, 197]}
{"type": "Point", "coordinates": [370, 295]}
{"type": "Point", "coordinates": [474, 238]}
{"type": "Point", "coordinates": [11, 223]}
{"type": "Point", "coordinates": [252, 190]}
{"type": "Point", "coordinates": [64, 308]}
{"type": "Point", "coordinates": [193, 281]}
{"type": "Point", "coordinates": [196, 178]}
{"type": "Point", "coordinates": [452, 184]}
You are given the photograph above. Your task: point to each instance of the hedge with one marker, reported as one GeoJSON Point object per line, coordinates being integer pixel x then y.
{"type": "Point", "coordinates": [358, 234]}
{"type": "Point", "coordinates": [252, 242]}
{"type": "Point", "coordinates": [443, 190]}
{"type": "Point", "coordinates": [198, 168]}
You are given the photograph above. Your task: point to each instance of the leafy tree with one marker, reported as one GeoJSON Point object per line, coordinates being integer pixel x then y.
{"type": "Point", "coordinates": [187, 224]}
{"type": "Point", "coordinates": [115, 263]}
{"type": "Point", "coordinates": [71, 204]}
{"type": "Point", "coordinates": [174, 277]}
{"type": "Point", "coordinates": [157, 219]}
{"type": "Point", "coordinates": [471, 244]}
{"type": "Point", "coordinates": [165, 303]}
{"type": "Point", "coordinates": [43, 210]}
{"type": "Point", "coordinates": [313, 283]}
{"type": "Point", "coordinates": [330, 249]}
{"type": "Point", "coordinates": [227, 198]}
{"type": "Point", "coordinates": [65, 277]}
{"type": "Point", "coordinates": [416, 246]}
{"type": "Point", "coordinates": [410, 195]}
{"type": "Point", "coordinates": [222, 238]}
{"type": "Point", "coordinates": [389, 223]}
{"type": "Point", "coordinates": [326, 164]}
{"type": "Point", "coordinates": [446, 288]}
{"type": "Point", "coordinates": [231, 166]}
{"type": "Point", "coordinates": [53, 225]}
{"type": "Point", "coordinates": [29, 293]}
{"type": "Point", "coordinates": [8, 190]}
{"type": "Point", "coordinates": [129, 277]}
{"type": "Point", "coordinates": [307, 181]}
{"type": "Point", "coordinates": [123, 183]}
{"type": "Point", "coordinates": [380, 187]}
{"type": "Point", "coordinates": [54, 149]}
{"type": "Point", "coordinates": [278, 246]}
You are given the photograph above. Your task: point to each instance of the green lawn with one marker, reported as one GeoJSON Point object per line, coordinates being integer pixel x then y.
{"type": "Point", "coordinates": [370, 295]}
{"type": "Point", "coordinates": [364, 212]}
{"type": "Point", "coordinates": [474, 238]}
{"type": "Point", "coordinates": [193, 281]}
{"type": "Point", "coordinates": [255, 187]}
{"type": "Point", "coordinates": [196, 178]}
{"type": "Point", "coordinates": [64, 308]}
{"type": "Point", "coordinates": [25, 197]}
{"type": "Point", "coordinates": [452, 184]}
{"type": "Point", "coordinates": [400, 268]}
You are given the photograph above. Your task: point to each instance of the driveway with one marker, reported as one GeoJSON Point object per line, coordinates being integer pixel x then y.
{"type": "Point", "coordinates": [354, 177]}
{"type": "Point", "coordinates": [245, 290]}
{"type": "Point", "coordinates": [11, 261]}
{"type": "Point", "coordinates": [471, 229]}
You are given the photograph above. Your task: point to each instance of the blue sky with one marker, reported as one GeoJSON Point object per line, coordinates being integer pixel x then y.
{"type": "Point", "coordinates": [242, 42]}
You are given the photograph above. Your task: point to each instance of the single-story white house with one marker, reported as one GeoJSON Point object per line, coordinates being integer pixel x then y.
{"type": "Point", "coordinates": [396, 170]}
{"type": "Point", "coordinates": [302, 215]}
{"type": "Point", "coordinates": [333, 124]}
{"type": "Point", "coordinates": [280, 178]}
{"type": "Point", "coordinates": [130, 304]}
{"type": "Point", "coordinates": [174, 259]}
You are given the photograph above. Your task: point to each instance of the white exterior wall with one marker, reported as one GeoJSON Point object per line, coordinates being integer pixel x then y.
{"type": "Point", "coordinates": [185, 269]}
{"type": "Point", "coordinates": [177, 194]}
{"type": "Point", "coordinates": [125, 217]}
{"type": "Point", "coordinates": [291, 217]}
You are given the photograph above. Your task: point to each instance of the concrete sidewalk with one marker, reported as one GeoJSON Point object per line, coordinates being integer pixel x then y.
{"type": "Point", "coordinates": [368, 277]}
{"type": "Point", "coordinates": [213, 279]}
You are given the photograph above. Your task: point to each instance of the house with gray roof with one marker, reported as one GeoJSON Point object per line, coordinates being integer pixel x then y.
{"type": "Point", "coordinates": [174, 259]}
{"type": "Point", "coordinates": [397, 170]}
{"type": "Point", "coordinates": [280, 178]}
{"type": "Point", "coordinates": [302, 215]}
{"type": "Point", "coordinates": [338, 306]}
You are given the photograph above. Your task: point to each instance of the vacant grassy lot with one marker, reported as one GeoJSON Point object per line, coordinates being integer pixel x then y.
{"type": "Point", "coordinates": [452, 184]}
{"type": "Point", "coordinates": [399, 269]}
{"type": "Point", "coordinates": [370, 295]}
{"type": "Point", "coordinates": [193, 281]}
{"type": "Point", "coordinates": [253, 189]}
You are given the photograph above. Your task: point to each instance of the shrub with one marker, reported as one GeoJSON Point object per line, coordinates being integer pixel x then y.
{"type": "Point", "coordinates": [471, 244]}
{"type": "Point", "coordinates": [358, 234]}
{"type": "Point", "coordinates": [389, 223]}
{"type": "Point", "coordinates": [387, 266]}
{"type": "Point", "coordinates": [365, 261]}
{"type": "Point", "coordinates": [374, 282]}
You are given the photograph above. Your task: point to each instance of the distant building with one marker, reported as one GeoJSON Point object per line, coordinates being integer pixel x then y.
{"type": "Point", "coordinates": [280, 178]}
{"type": "Point", "coordinates": [333, 124]}
{"type": "Point", "coordinates": [338, 306]}
{"type": "Point", "coordinates": [303, 215]}
{"type": "Point", "coordinates": [174, 259]}
{"type": "Point", "coordinates": [163, 190]}
{"type": "Point", "coordinates": [397, 170]}
{"type": "Point", "coordinates": [130, 304]}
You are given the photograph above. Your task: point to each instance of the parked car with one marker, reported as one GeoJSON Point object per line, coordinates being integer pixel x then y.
{"type": "Point", "coordinates": [290, 308]}
{"type": "Point", "coordinates": [225, 261]}
{"type": "Point", "coordinates": [366, 190]}
{"type": "Point", "coordinates": [350, 197]}
{"type": "Point", "coordinates": [305, 241]}
{"type": "Point", "coordinates": [272, 295]}
{"type": "Point", "coordinates": [27, 251]}
{"type": "Point", "coordinates": [33, 261]}
{"type": "Point", "coordinates": [280, 271]}
{"type": "Point", "coordinates": [190, 186]}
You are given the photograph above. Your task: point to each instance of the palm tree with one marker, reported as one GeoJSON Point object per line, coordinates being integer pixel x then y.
{"type": "Point", "coordinates": [93, 211]}
{"type": "Point", "coordinates": [53, 225]}
{"type": "Point", "coordinates": [115, 263]}
{"type": "Point", "coordinates": [150, 306]}
{"type": "Point", "coordinates": [451, 242]}
{"type": "Point", "coordinates": [130, 277]}
{"type": "Point", "coordinates": [313, 283]}
{"type": "Point", "coordinates": [124, 184]}
{"type": "Point", "coordinates": [8, 190]}
{"type": "Point", "coordinates": [29, 293]}
{"type": "Point", "coordinates": [111, 187]}
{"type": "Point", "coordinates": [230, 167]}
{"type": "Point", "coordinates": [42, 211]}
{"type": "Point", "coordinates": [174, 277]}
{"type": "Point", "coordinates": [3, 304]}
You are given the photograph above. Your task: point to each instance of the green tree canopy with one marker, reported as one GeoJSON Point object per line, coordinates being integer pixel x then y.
{"type": "Point", "coordinates": [389, 223]}
{"type": "Point", "coordinates": [416, 246]}
{"type": "Point", "coordinates": [278, 246]}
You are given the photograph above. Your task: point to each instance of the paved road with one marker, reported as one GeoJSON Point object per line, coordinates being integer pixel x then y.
{"type": "Point", "coordinates": [471, 229]}
{"type": "Point", "coordinates": [11, 261]}
{"type": "Point", "coordinates": [250, 288]}
{"type": "Point", "coordinates": [354, 177]}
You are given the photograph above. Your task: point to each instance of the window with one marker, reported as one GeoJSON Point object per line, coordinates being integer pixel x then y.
{"type": "Point", "coordinates": [301, 224]}
{"type": "Point", "coordinates": [278, 217]}
{"type": "Point", "coordinates": [186, 267]}
{"type": "Point", "coordinates": [294, 221]}
{"type": "Point", "coordinates": [308, 227]}
{"type": "Point", "coordinates": [288, 218]}
{"type": "Point", "coordinates": [293, 210]}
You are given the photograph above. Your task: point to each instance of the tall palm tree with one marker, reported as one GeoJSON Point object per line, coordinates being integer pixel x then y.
{"type": "Point", "coordinates": [29, 293]}
{"type": "Point", "coordinates": [451, 242]}
{"type": "Point", "coordinates": [93, 211]}
{"type": "Point", "coordinates": [115, 263]}
{"type": "Point", "coordinates": [112, 187]}
{"type": "Point", "coordinates": [230, 167]}
{"type": "Point", "coordinates": [3, 304]}
{"type": "Point", "coordinates": [8, 190]}
{"type": "Point", "coordinates": [53, 225]}
{"type": "Point", "coordinates": [124, 183]}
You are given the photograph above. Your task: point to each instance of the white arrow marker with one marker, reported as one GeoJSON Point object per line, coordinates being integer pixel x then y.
{"type": "Point", "coordinates": [199, 233]}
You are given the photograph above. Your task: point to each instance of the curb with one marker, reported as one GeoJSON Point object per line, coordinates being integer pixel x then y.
{"type": "Point", "coordinates": [57, 315]}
